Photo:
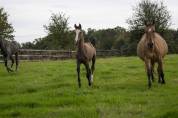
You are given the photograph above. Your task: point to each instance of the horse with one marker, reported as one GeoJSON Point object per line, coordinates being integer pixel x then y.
{"type": "Point", "coordinates": [85, 54]}
{"type": "Point", "coordinates": [152, 48]}
{"type": "Point", "coordinates": [8, 49]}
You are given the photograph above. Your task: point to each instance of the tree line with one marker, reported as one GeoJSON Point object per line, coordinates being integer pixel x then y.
{"type": "Point", "coordinates": [61, 37]}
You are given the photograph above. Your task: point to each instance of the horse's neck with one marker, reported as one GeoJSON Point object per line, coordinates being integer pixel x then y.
{"type": "Point", "coordinates": [81, 43]}
{"type": "Point", "coordinates": [3, 46]}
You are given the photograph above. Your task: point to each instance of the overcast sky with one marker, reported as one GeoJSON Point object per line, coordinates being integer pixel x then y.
{"type": "Point", "coordinates": [29, 16]}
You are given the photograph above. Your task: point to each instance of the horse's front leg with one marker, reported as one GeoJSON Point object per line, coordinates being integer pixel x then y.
{"type": "Point", "coordinates": [160, 72]}
{"type": "Point", "coordinates": [93, 67]}
{"type": "Point", "coordinates": [6, 64]}
{"type": "Point", "coordinates": [16, 61]}
{"type": "Point", "coordinates": [149, 71]}
{"type": "Point", "coordinates": [12, 59]}
{"type": "Point", "coordinates": [88, 75]}
{"type": "Point", "coordinates": [78, 74]}
{"type": "Point", "coordinates": [152, 68]}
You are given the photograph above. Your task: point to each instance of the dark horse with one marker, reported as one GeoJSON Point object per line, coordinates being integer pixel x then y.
{"type": "Point", "coordinates": [86, 53]}
{"type": "Point", "coordinates": [8, 49]}
{"type": "Point", "coordinates": [151, 49]}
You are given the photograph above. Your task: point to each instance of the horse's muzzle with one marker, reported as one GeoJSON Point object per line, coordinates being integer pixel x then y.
{"type": "Point", "coordinates": [76, 43]}
{"type": "Point", "coordinates": [150, 45]}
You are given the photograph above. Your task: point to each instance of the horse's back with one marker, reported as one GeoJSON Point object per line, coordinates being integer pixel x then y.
{"type": "Point", "coordinates": [14, 46]}
{"type": "Point", "coordinates": [161, 45]}
{"type": "Point", "coordinates": [90, 50]}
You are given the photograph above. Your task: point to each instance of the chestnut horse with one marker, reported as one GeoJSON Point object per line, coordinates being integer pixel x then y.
{"type": "Point", "coordinates": [151, 49]}
{"type": "Point", "coordinates": [86, 53]}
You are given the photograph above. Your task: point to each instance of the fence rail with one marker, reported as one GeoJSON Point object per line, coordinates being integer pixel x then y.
{"type": "Point", "coordinates": [30, 54]}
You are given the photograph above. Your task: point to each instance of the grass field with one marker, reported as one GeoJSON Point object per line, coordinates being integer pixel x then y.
{"type": "Point", "coordinates": [49, 90]}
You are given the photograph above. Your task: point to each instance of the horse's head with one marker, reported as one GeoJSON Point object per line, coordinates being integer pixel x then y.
{"type": "Point", "coordinates": [149, 30]}
{"type": "Point", "coordinates": [78, 31]}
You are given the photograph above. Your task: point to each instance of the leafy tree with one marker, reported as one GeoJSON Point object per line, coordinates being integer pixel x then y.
{"type": "Point", "coordinates": [121, 38]}
{"type": "Point", "coordinates": [6, 29]}
{"type": "Point", "coordinates": [173, 40]}
{"type": "Point", "coordinates": [28, 45]}
{"type": "Point", "coordinates": [149, 11]}
{"type": "Point", "coordinates": [58, 35]}
{"type": "Point", "coordinates": [106, 38]}
{"type": "Point", "coordinates": [58, 32]}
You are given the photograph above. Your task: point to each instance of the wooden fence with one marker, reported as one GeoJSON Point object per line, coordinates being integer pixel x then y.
{"type": "Point", "coordinates": [29, 54]}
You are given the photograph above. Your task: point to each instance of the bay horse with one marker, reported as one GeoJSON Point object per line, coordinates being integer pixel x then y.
{"type": "Point", "coordinates": [8, 49]}
{"type": "Point", "coordinates": [151, 49]}
{"type": "Point", "coordinates": [86, 53]}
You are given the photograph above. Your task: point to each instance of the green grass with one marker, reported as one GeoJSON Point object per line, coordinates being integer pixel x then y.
{"type": "Point", "coordinates": [49, 89]}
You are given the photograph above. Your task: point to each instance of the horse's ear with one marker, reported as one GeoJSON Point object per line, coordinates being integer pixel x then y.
{"type": "Point", "coordinates": [80, 27]}
{"type": "Point", "coordinates": [75, 26]}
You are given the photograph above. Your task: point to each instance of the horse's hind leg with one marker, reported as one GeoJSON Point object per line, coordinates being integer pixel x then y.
{"type": "Point", "coordinates": [12, 59]}
{"type": "Point", "coordinates": [5, 61]}
{"type": "Point", "coordinates": [16, 60]}
{"type": "Point", "coordinates": [6, 64]}
{"type": "Point", "coordinates": [93, 67]}
{"type": "Point", "coordinates": [88, 75]}
{"type": "Point", "coordinates": [160, 72]}
{"type": "Point", "coordinates": [149, 72]}
{"type": "Point", "coordinates": [159, 77]}
{"type": "Point", "coordinates": [78, 74]}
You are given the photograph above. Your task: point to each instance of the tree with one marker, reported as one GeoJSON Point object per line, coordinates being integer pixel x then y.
{"type": "Point", "coordinates": [147, 11]}
{"type": "Point", "coordinates": [58, 35]}
{"type": "Point", "coordinates": [173, 40]}
{"type": "Point", "coordinates": [6, 29]}
{"type": "Point", "coordinates": [150, 11]}
{"type": "Point", "coordinates": [58, 32]}
{"type": "Point", "coordinates": [28, 45]}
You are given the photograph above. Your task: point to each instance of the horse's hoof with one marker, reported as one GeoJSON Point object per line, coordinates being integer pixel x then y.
{"type": "Point", "coordinates": [163, 82]}
{"type": "Point", "coordinates": [11, 70]}
{"type": "Point", "coordinates": [159, 81]}
{"type": "Point", "coordinates": [149, 86]}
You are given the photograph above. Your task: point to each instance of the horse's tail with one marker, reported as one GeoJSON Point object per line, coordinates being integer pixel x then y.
{"type": "Point", "coordinates": [93, 41]}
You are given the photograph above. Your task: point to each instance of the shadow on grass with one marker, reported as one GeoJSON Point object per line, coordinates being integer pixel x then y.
{"type": "Point", "coordinates": [28, 105]}
{"type": "Point", "coordinates": [15, 114]}
{"type": "Point", "coordinates": [170, 114]}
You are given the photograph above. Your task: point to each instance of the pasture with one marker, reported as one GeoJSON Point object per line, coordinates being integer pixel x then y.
{"type": "Point", "coordinates": [49, 89]}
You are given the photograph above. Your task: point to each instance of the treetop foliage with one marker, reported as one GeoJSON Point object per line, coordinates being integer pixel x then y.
{"type": "Point", "coordinates": [150, 11]}
{"type": "Point", "coordinates": [6, 29]}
